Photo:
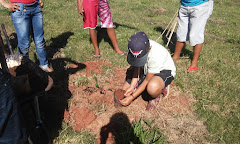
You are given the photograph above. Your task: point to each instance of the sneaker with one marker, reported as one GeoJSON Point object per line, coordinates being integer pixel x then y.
{"type": "Point", "coordinates": [152, 103]}
{"type": "Point", "coordinates": [165, 92]}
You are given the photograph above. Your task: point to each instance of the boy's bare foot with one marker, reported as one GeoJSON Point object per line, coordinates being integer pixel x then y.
{"type": "Point", "coordinates": [175, 59]}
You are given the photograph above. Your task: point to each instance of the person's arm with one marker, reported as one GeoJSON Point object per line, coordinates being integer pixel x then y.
{"type": "Point", "coordinates": [126, 101]}
{"type": "Point", "coordinates": [10, 6]}
{"type": "Point", "coordinates": [135, 79]}
{"type": "Point", "coordinates": [80, 7]}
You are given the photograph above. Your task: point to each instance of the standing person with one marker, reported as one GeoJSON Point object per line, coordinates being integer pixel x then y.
{"type": "Point", "coordinates": [157, 66]}
{"type": "Point", "coordinates": [27, 14]}
{"type": "Point", "coordinates": [193, 15]}
{"type": "Point", "coordinates": [89, 9]}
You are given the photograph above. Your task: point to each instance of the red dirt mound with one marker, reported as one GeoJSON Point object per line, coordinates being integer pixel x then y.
{"type": "Point", "coordinates": [79, 117]}
{"type": "Point", "coordinates": [92, 107]}
{"type": "Point", "coordinates": [118, 95]}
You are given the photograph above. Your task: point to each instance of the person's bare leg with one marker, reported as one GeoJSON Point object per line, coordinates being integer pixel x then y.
{"type": "Point", "coordinates": [154, 89]}
{"type": "Point", "coordinates": [155, 86]}
{"type": "Point", "coordinates": [196, 53]}
{"type": "Point", "coordinates": [178, 49]}
{"type": "Point", "coordinates": [112, 36]}
{"type": "Point", "coordinates": [93, 35]}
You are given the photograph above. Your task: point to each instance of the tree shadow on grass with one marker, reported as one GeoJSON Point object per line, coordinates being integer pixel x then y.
{"type": "Point", "coordinates": [172, 43]}
{"type": "Point", "coordinates": [119, 129]}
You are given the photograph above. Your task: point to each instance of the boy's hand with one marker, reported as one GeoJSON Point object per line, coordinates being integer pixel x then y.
{"type": "Point", "coordinates": [126, 101]}
{"type": "Point", "coordinates": [11, 7]}
{"type": "Point", "coordinates": [129, 91]}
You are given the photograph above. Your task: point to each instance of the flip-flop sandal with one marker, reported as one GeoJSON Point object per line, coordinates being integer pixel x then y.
{"type": "Point", "coordinates": [192, 69]}
{"type": "Point", "coordinates": [96, 56]}
{"type": "Point", "coordinates": [123, 54]}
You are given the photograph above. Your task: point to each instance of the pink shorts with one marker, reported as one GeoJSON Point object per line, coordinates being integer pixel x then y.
{"type": "Point", "coordinates": [90, 8]}
{"type": "Point", "coordinates": [104, 14]}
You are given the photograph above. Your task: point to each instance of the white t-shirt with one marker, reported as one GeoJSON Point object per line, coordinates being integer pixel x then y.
{"type": "Point", "coordinates": [159, 59]}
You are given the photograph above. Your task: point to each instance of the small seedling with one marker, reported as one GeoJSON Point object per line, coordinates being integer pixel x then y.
{"type": "Point", "coordinates": [96, 84]}
{"type": "Point", "coordinates": [82, 81]}
{"type": "Point", "coordinates": [146, 133]}
{"type": "Point", "coordinates": [99, 108]}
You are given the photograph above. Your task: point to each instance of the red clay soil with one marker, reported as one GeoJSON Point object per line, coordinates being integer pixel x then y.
{"type": "Point", "coordinates": [118, 95]}
{"type": "Point", "coordinates": [81, 117]}
{"type": "Point", "coordinates": [92, 108]}
{"type": "Point", "coordinates": [94, 66]}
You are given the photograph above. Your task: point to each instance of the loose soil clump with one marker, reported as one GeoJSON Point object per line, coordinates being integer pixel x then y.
{"type": "Point", "coordinates": [119, 95]}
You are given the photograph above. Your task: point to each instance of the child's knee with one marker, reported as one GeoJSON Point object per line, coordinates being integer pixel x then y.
{"type": "Point", "coordinates": [154, 88]}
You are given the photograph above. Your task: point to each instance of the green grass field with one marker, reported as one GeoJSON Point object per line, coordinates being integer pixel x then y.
{"type": "Point", "coordinates": [216, 86]}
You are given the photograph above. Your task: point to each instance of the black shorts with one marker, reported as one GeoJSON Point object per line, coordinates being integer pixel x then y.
{"type": "Point", "coordinates": [164, 74]}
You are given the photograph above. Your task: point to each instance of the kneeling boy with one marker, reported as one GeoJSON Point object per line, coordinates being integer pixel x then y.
{"type": "Point", "coordinates": [154, 61]}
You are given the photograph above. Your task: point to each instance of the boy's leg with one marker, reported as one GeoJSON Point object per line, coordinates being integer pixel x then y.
{"type": "Point", "coordinates": [90, 21]}
{"type": "Point", "coordinates": [182, 31]}
{"type": "Point", "coordinates": [178, 49]}
{"type": "Point", "coordinates": [196, 53]}
{"type": "Point", "coordinates": [200, 15]}
{"type": "Point", "coordinates": [93, 35]}
{"type": "Point", "coordinates": [154, 89]}
{"type": "Point", "coordinates": [112, 36]}
{"type": "Point", "coordinates": [155, 86]}
{"type": "Point", "coordinates": [106, 21]}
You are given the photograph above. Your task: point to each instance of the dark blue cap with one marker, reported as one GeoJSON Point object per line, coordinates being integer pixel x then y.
{"type": "Point", "coordinates": [138, 47]}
